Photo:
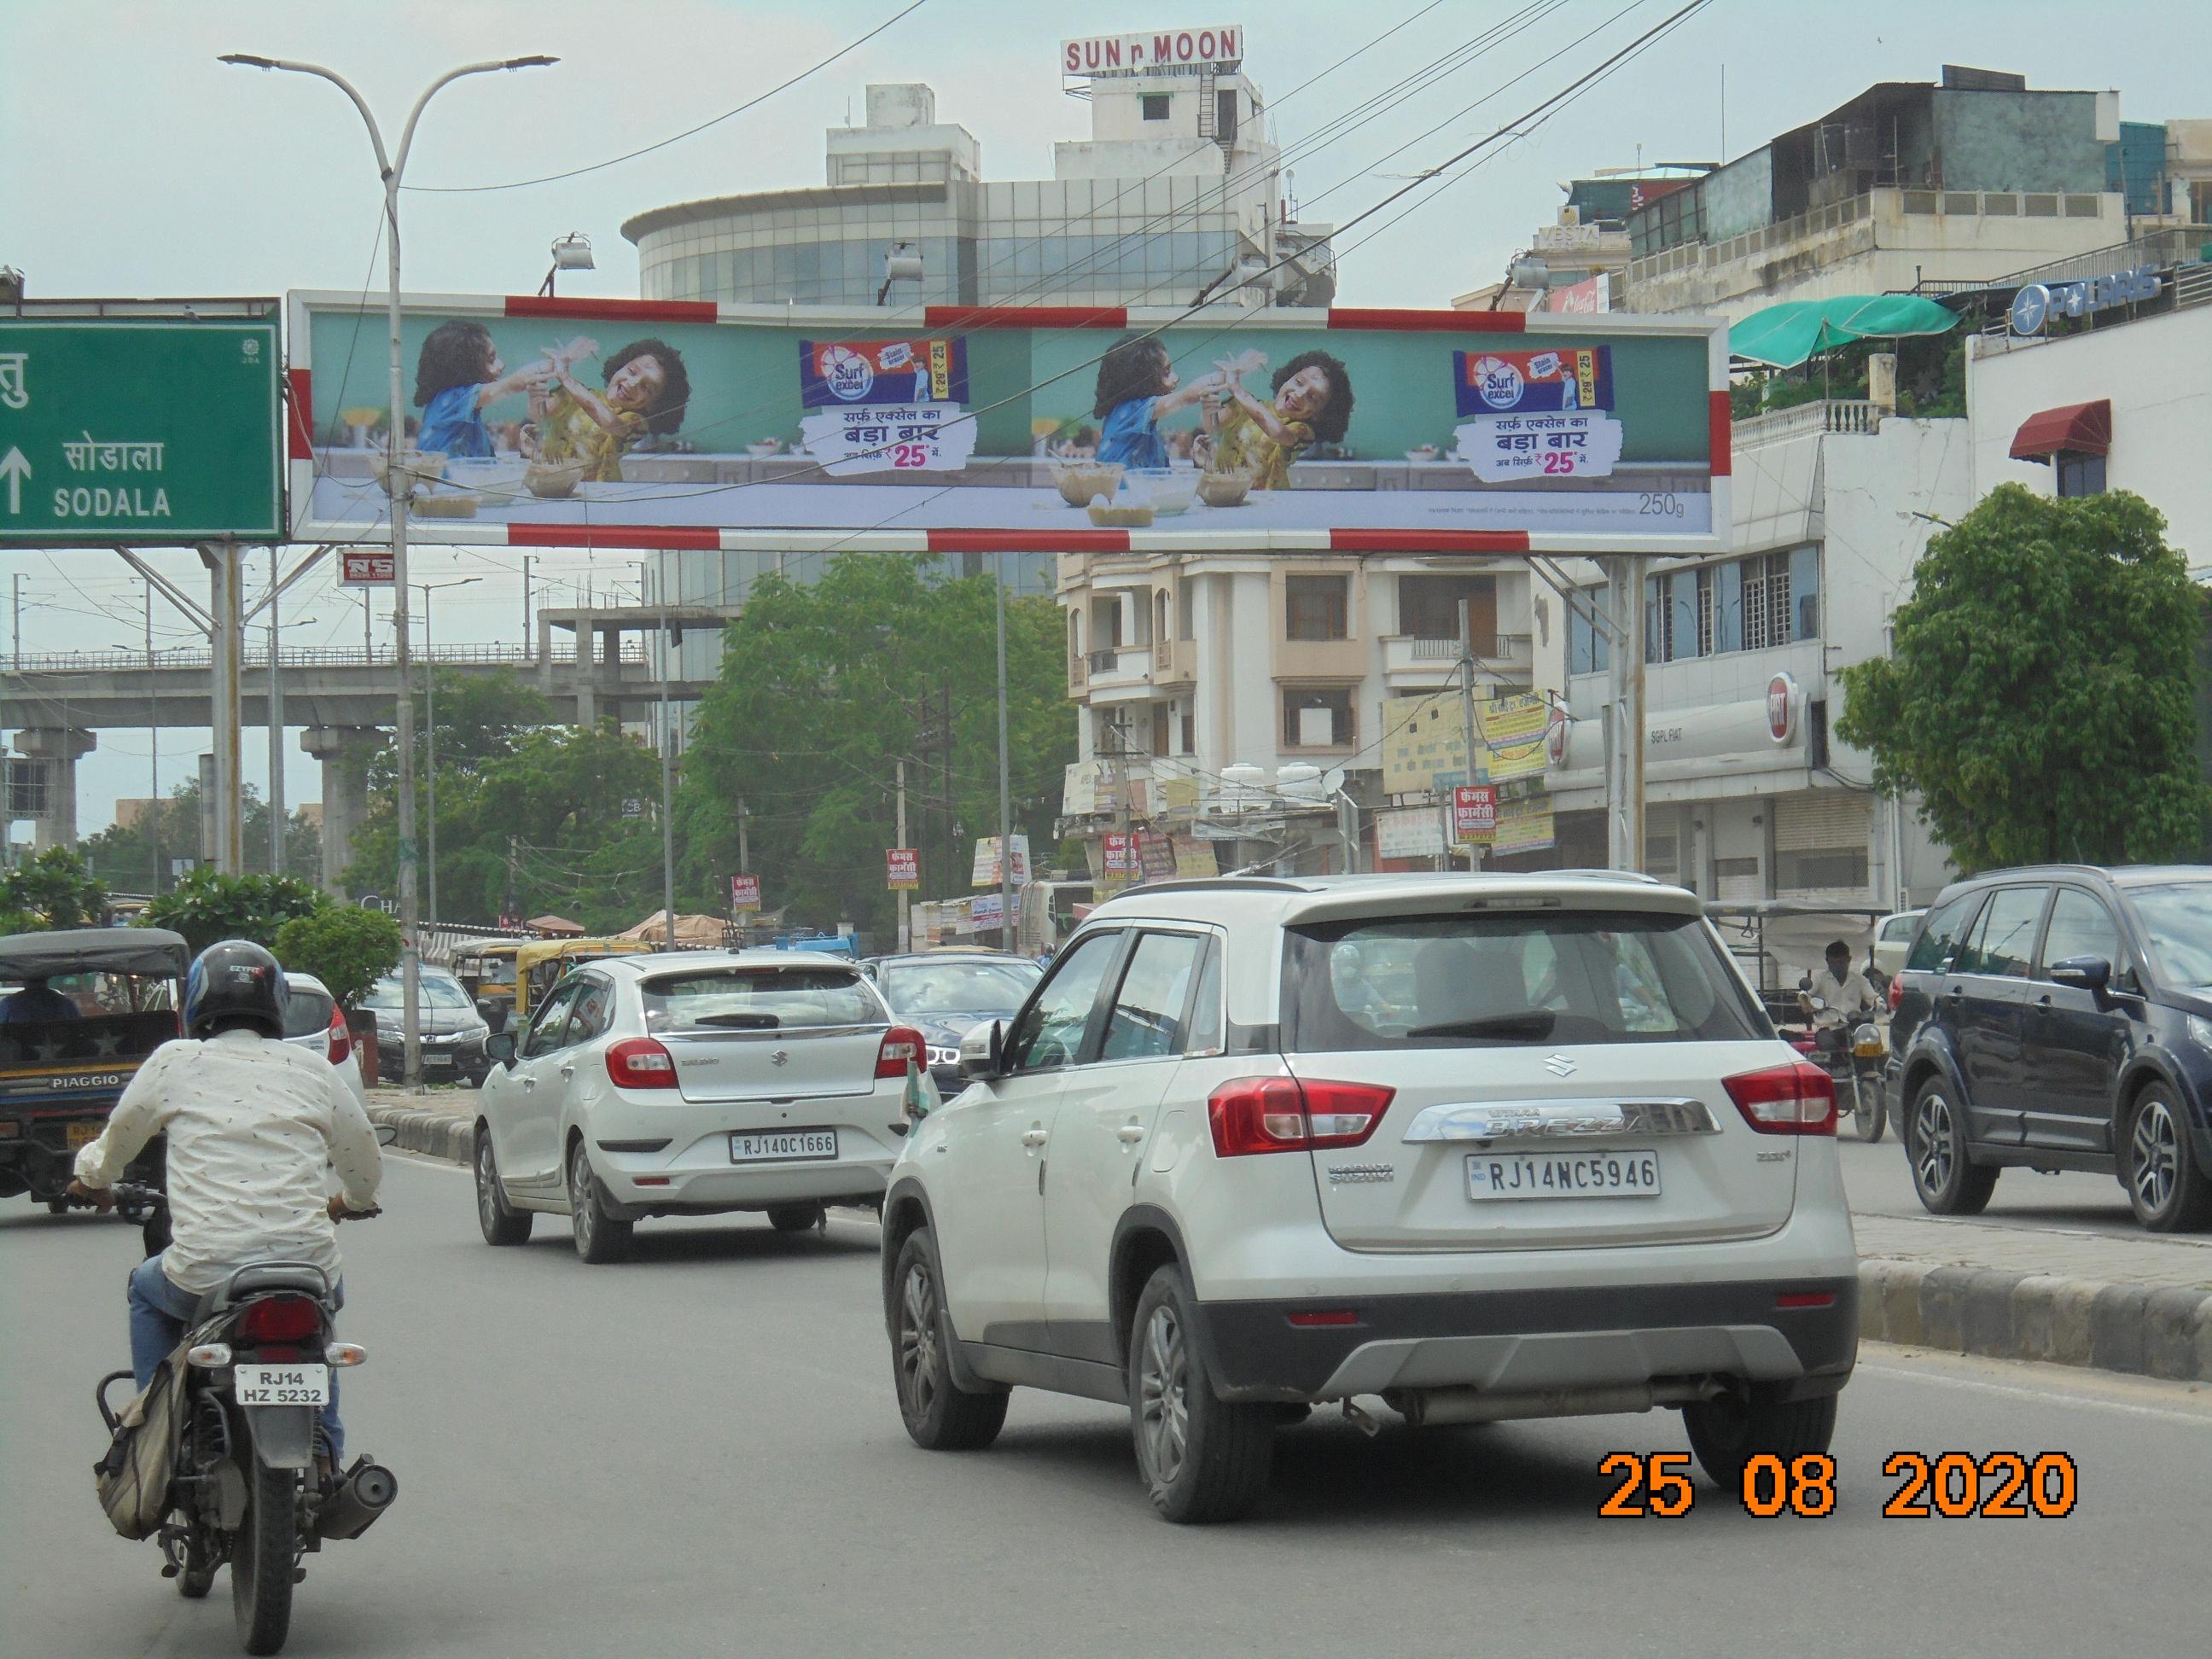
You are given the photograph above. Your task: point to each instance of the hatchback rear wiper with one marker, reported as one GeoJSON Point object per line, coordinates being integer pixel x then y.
{"type": "Point", "coordinates": [1530, 1025]}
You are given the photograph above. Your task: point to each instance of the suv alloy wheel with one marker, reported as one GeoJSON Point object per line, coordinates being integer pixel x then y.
{"type": "Point", "coordinates": [1201, 1459]}
{"type": "Point", "coordinates": [939, 1416]}
{"type": "Point", "coordinates": [1936, 1143]}
{"type": "Point", "coordinates": [2168, 1192]}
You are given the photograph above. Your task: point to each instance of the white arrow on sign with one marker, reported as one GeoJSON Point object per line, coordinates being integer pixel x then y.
{"type": "Point", "coordinates": [15, 469]}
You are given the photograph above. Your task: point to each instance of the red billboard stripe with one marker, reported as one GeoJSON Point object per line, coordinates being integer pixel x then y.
{"type": "Point", "coordinates": [299, 424]}
{"type": "Point", "coordinates": [687, 537]}
{"type": "Point", "coordinates": [1723, 434]}
{"type": "Point", "coordinates": [1029, 541]}
{"type": "Point", "coordinates": [1431, 322]}
{"type": "Point", "coordinates": [1428, 541]}
{"type": "Point", "coordinates": [613, 311]}
{"type": "Point", "coordinates": [1025, 317]}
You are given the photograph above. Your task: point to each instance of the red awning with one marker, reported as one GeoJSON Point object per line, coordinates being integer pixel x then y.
{"type": "Point", "coordinates": [2082, 428]}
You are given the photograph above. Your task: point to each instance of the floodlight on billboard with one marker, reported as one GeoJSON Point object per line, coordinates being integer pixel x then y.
{"type": "Point", "coordinates": [949, 428]}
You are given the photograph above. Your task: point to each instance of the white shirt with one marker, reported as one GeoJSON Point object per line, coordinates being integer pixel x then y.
{"type": "Point", "coordinates": [252, 1125]}
{"type": "Point", "coordinates": [1848, 995]}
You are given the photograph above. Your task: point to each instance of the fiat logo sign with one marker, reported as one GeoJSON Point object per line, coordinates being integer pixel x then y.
{"type": "Point", "coordinates": [1781, 707]}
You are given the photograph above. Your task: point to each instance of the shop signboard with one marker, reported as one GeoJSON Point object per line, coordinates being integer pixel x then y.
{"type": "Point", "coordinates": [141, 430]}
{"type": "Point", "coordinates": [1422, 736]}
{"type": "Point", "coordinates": [1514, 730]}
{"type": "Point", "coordinates": [1474, 813]}
{"type": "Point", "coordinates": [1408, 832]}
{"type": "Point", "coordinates": [1524, 825]}
{"type": "Point", "coordinates": [1101, 55]}
{"type": "Point", "coordinates": [1156, 856]}
{"type": "Point", "coordinates": [948, 428]}
{"type": "Point", "coordinates": [985, 910]}
{"type": "Point", "coordinates": [368, 569]}
{"type": "Point", "coordinates": [984, 871]}
{"type": "Point", "coordinates": [902, 868]}
{"type": "Point", "coordinates": [745, 893]}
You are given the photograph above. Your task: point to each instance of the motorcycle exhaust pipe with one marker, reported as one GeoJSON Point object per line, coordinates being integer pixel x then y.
{"type": "Point", "coordinates": [352, 1509]}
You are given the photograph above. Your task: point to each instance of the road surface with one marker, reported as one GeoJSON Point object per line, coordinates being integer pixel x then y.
{"type": "Point", "coordinates": [698, 1453]}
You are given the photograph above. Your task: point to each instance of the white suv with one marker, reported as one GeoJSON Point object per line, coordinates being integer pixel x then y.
{"type": "Point", "coordinates": [692, 1085]}
{"type": "Point", "coordinates": [1486, 1146]}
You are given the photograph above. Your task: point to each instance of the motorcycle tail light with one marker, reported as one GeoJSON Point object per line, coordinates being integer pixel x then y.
{"type": "Point", "coordinates": [284, 1317]}
{"type": "Point", "coordinates": [902, 1045]}
{"type": "Point", "coordinates": [641, 1063]}
{"type": "Point", "coordinates": [341, 1038]}
{"type": "Point", "coordinates": [1785, 1100]}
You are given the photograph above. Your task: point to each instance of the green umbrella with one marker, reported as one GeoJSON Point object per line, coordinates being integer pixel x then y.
{"type": "Point", "coordinates": [1784, 336]}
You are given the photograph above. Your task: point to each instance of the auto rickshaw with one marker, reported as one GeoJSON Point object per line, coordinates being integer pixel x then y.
{"type": "Point", "coordinates": [485, 968]}
{"type": "Point", "coordinates": [61, 1077]}
{"type": "Point", "coordinates": [539, 965]}
{"type": "Point", "coordinates": [1780, 945]}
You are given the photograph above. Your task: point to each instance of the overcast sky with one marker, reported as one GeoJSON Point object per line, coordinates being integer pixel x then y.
{"type": "Point", "coordinates": [136, 165]}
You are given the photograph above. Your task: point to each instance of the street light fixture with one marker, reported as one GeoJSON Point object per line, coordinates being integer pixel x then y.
{"type": "Point", "coordinates": [391, 168]}
{"type": "Point", "coordinates": [430, 688]}
{"type": "Point", "coordinates": [570, 253]}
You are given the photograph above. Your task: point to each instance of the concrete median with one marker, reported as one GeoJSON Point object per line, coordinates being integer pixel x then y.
{"type": "Point", "coordinates": [435, 1130]}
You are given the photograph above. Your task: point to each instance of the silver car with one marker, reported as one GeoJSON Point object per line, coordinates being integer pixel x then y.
{"type": "Point", "coordinates": [694, 1084]}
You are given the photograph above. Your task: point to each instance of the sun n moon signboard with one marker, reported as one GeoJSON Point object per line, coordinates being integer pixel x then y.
{"type": "Point", "coordinates": [690, 424]}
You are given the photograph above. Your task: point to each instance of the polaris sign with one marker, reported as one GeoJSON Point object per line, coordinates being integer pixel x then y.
{"type": "Point", "coordinates": [2039, 303]}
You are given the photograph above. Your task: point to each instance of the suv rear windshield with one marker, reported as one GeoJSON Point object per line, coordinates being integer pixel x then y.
{"type": "Point", "coordinates": [758, 999]}
{"type": "Point", "coordinates": [1558, 978]}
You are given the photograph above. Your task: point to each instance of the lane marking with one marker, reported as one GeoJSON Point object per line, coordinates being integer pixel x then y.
{"type": "Point", "coordinates": [2195, 1419]}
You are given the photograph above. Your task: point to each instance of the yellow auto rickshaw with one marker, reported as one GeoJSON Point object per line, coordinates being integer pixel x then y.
{"type": "Point", "coordinates": [539, 965]}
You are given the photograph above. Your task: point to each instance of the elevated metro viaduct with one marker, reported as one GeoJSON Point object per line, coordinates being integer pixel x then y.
{"type": "Point", "coordinates": [57, 704]}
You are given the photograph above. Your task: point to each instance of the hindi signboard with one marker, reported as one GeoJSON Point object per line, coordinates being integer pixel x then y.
{"type": "Point", "coordinates": [1474, 813]}
{"type": "Point", "coordinates": [145, 430]}
{"type": "Point", "coordinates": [902, 868]}
{"type": "Point", "coordinates": [745, 893]}
{"type": "Point", "coordinates": [952, 428]}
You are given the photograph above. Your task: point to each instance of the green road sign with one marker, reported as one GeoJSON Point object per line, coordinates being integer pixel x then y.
{"type": "Point", "coordinates": [125, 430]}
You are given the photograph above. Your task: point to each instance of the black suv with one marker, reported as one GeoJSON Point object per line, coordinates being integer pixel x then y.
{"type": "Point", "coordinates": [2061, 1018]}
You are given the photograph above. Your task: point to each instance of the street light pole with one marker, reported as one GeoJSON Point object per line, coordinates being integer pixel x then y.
{"type": "Point", "coordinates": [398, 484]}
{"type": "Point", "coordinates": [430, 712]}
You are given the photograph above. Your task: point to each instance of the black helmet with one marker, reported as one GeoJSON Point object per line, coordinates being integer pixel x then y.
{"type": "Point", "coordinates": [235, 980]}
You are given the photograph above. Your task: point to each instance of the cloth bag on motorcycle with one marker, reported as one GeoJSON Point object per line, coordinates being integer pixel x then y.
{"type": "Point", "coordinates": [133, 1479]}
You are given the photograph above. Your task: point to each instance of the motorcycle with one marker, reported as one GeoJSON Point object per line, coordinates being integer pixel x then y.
{"type": "Point", "coordinates": [1855, 1064]}
{"type": "Point", "coordinates": [252, 1484]}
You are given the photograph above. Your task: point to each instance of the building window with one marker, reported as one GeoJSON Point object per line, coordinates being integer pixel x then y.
{"type": "Point", "coordinates": [1225, 116]}
{"type": "Point", "coordinates": [1319, 607]}
{"type": "Point", "coordinates": [1156, 106]}
{"type": "Point", "coordinates": [1190, 734]}
{"type": "Point", "coordinates": [1318, 719]}
{"type": "Point", "coordinates": [2080, 475]}
{"type": "Point", "coordinates": [1106, 624]}
{"type": "Point", "coordinates": [1160, 713]}
{"type": "Point", "coordinates": [1766, 601]}
{"type": "Point", "coordinates": [1074, 634]}
{"type": "Point", "coordinates": [1822, 868]}
{"type": "Point", "coordinates": [1428, 607]}
{"type": "Point", "coordinates": [1186, 627]}
{"type": "Point", "coordinates": [1588, 650]}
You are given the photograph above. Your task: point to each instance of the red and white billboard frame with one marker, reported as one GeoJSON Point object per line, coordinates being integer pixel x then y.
{"type": "Point", "coordinates": [1475, 326]}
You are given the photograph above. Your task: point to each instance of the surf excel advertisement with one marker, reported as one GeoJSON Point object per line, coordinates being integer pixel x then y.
{"type": "Point", "coordinates": [634, 423]}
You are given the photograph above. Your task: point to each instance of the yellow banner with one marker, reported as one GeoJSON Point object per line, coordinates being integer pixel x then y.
{"type": "Point", "coordinates": [1421, 737]}
{"type": "Point", "coordinates": [1514, 729]}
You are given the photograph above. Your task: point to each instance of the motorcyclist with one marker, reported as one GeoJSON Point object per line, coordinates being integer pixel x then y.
{"type": "Point", "coordinates": [251, 1122]}
{"type": "Point", "coordinates": [1843, 996]}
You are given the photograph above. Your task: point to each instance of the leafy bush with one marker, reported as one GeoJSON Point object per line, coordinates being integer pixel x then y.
{"type": "Point", "coordinates": [207, 907]}
{"type": "Point", "coordinates": [343, 945]}
{"type": "Point", "coordinates": [50, 889]}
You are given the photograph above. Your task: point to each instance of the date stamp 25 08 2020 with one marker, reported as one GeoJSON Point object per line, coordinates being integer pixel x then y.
{"type": "Point", "coordinates": [2002, 1486]}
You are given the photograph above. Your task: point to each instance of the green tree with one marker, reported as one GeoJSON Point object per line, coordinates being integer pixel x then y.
{"type": "Point", "coordinates": [54, 889]}
{"type": "Point", "coordinates": [2040, 699]}
{"type": "Point", "coordinates": [343, 945]}
{"type": "Point", "coordinates": [124, 855]}
{"type": "Point", "coordinates": [206, 907]}
{"type": "Point", "coordinates": [823, 689]}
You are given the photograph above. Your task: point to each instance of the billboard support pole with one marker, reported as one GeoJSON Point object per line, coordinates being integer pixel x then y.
{"type": "Point", "coordinates": [228, 638]}
{"type": "Point", "coordinates": [905, 924]}
{"type": "Point", "coordinates": [1008, 935]}
{"type": "Point", "coordinates": [1624, 713]}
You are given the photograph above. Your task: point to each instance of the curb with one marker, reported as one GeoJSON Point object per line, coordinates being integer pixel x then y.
{"type": "Point", "coordinates": [451, 1136]}
{"type": "Point", "coordinates": [2140, 1330]}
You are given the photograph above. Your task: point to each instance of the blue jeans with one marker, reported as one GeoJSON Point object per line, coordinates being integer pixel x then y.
{"type": "Point", "coordinates": [159, 1313]}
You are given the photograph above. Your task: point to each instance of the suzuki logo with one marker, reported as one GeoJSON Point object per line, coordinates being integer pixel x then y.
{"type": "Point", "coordinates": [781, 1057]}
{"type": "Point", "coordinates": [1559, 1066]}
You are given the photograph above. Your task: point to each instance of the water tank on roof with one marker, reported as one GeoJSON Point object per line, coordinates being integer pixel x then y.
{"type": "Point", "coordinates": [1242, 789]}
{"type": "Point", "coordinates": [1300, 781]}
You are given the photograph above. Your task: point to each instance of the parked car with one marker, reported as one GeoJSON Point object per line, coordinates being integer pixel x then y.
{"type": "Point", "coordinates": [2061, 1018]}
{"type": "Point", "coordinates": [452, 1031]}
{"type": "Point", "coordinates": [946, 994]}
{"type": "Point", "coordinates": [1893, 939]}
{"type": "Point", "coordinates": [693, 1083]}
{"type": "Point", "coordinates": [314, 1020]}
{"type": "Point", "coordinates": [1488, 1146]}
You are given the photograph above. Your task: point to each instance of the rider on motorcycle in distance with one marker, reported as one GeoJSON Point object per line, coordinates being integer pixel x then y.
{"type": "Point", "coordinates": [1848, 998]}
{"type": "Point", "coordinates": [251, 1122]}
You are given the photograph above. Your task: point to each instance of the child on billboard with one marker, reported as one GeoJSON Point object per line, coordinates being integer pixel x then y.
{"type": "Point", "coordinates": [1137, 387]}
{"type": "Point", "coordinates": [646, 392]}
{"type": "Point", "coordinates": [458, 376]}
{"type": "Point", "coordinates": [1313, 405]}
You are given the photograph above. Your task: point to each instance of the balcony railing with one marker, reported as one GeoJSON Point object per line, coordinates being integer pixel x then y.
{"type": "Point", "coordinates": [1847, 414]}
{"type": "Point", "coordinates": [1401, 652]}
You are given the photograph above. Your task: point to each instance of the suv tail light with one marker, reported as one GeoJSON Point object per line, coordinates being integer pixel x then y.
{"type": "Point", "coordinates": [1785, 1100]}
{"type": "Point", "coordinates": [1292, 1115]}
{"type": "Point", "coordinates": [285, 1317]}
{"type": "Point", "coordinates": [902, 1044]}
{"type": "Point", "coordinates": [641, 1063]}
{"type": "Point", "coordinates": [1896, 989]}
{"type": "Point", "coordinates": [341, 1038]}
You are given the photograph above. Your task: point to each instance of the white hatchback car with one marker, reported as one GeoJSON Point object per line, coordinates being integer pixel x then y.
{"type": "Point", "coordinates": [692, 1084]}
{"type": "Point", "coordinates": [313, 1021]}
{"type": "Point", "coordinates": [1486, 1146]}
